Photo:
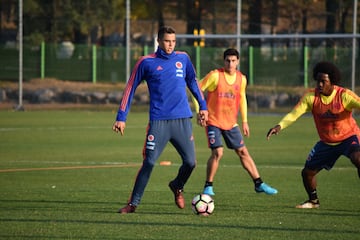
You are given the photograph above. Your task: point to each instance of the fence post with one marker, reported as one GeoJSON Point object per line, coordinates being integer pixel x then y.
{"type": "Point", "coordinates": [251, 65]}
{"type": "Point", "coordinates": [94, 63]}
{"type": "Point", "coordinates": [146, 50]}
{"type": "Point", "coordinates": [42, 60]}
{"type": "Point", "coordinates": [306, 50]}
{"type": "Point", "coordinates": [198, 61]}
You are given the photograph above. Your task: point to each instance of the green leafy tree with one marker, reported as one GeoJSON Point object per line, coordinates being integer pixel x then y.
{"type": "Point", "coordinates": [69, 19]}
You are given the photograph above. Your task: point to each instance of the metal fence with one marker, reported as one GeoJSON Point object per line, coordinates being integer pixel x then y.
{"type": "Point", "coordinates": [278, 62]}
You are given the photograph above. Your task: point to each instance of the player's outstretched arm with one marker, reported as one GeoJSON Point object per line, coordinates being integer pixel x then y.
{"type": "Point", "coordinates": [273, 131]}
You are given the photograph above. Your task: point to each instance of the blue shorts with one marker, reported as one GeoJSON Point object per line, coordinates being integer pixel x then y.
{"type": "Point", "coordinates": [233, 137]}
{"type": "Point", "coordinates": [325, 156]}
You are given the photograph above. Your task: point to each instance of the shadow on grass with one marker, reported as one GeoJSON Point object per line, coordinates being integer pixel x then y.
{"type": "Point", "coordinates": [181, 224]}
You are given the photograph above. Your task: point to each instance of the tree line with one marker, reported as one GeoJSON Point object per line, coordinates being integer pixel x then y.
{"type": "Point", "coordinates": [89, 21]}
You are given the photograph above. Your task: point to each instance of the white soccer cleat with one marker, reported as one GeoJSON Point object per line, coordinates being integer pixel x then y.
{"type": "Point", "coordinates": [309, 204]}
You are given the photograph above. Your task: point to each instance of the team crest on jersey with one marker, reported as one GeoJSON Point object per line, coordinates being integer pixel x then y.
{"type": "Point", "coordinates": [179, 70]}
{"type": "Point", "coordinates": [150, 138]}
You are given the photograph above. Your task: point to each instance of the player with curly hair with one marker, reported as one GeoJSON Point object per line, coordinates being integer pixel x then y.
{"type": "Point", "coordinates": [331, 107]}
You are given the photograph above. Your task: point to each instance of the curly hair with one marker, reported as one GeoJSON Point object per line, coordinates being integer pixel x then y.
{"type": "Point", "coordinates": [328, 68]}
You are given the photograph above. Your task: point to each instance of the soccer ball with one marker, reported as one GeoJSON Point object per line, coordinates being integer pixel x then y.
{"type": "Point", "coordinates": [202, 204]}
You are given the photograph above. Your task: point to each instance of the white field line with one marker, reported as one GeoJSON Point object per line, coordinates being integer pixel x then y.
{"type": "Point", "coordinates": [68, 168]}
{"type": "Point", "coordinates": [128, 165]}
{"type": "Point", "coordinates": [14, 129]}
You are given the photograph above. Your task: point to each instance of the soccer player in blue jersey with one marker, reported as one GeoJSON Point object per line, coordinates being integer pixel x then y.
{"type": "Point", "coordinates": [167, 73]}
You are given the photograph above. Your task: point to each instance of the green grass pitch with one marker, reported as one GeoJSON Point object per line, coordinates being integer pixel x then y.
{"type": "Point", "coordinates": [64, 174]}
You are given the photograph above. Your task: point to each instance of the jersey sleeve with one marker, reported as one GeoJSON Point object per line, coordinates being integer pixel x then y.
{"type": "Point", "coordinates": [350, 100]}
{"type": "Point", "coordinates": [193, 85]}
{"type": "Point", "coordinates": [208, 83]}
{"type": "Point", "coordinates": [304, 105]}
{"type": "Point", "coordinates": [137, 75]}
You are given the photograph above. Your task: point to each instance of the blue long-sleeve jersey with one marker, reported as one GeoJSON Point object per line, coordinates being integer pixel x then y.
{"type": "Point", "coordinates": [167, 76]}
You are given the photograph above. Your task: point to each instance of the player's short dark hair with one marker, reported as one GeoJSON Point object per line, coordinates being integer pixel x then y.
{"type": "Point", "coordinates": [231, 52]}
{"type": "Point", "coordinates": [163, 30]}
{"type": "Point", "coordinates": [328, 68]}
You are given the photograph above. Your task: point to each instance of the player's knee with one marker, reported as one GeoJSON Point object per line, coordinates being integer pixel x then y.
{"type": "Point", "coordinates": [148, 165]}
{"type": "Point", "coordinates": [356, 161]}
{"type": "Point", "coordinates": [355, 156]}
{"type": "Point", "coordinates": [191, 164]}
{"type": "Point", "coordinates": [307, 172]}
{"type": "Point", "coordinates": [242, 152]}
{"type": "Point", "coordinates": [217, 153]}
{"type": "Point", "coordinates": [303, 173]}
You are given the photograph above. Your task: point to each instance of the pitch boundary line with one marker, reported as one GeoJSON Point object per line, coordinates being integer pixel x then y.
{"type": "Point", "coordinates": [10, 129]}
{"type": "Point", "coordinates": [69, 168]}
{"type": "Point", "coordinates": [138, 165]}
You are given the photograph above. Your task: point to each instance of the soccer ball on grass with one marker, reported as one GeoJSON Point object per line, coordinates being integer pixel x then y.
{"type": "Point", "coordinates": [202, 204]}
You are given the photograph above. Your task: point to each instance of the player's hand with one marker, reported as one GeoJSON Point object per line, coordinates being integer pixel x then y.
{"type": "Point", "coordinates": [246, 129]}
{"type": "Point", "coordinates": [119, 126]}
{"type": "Point", "coordinates": [202, 117]}
{"type": "Point", "coordinates": [273, 131]}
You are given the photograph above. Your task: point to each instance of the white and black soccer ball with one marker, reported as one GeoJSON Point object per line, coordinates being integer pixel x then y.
{"type": "Point", "coordinates": [203, 204]}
